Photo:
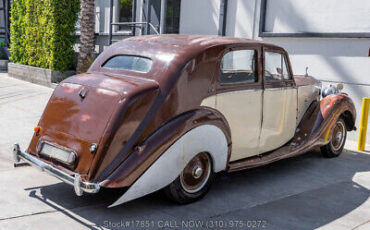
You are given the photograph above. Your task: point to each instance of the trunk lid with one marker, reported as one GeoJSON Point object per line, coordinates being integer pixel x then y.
{"type": "Point", "coordinates": [79, 112]}
{"type": "Point", "coordinates": [75, 118]}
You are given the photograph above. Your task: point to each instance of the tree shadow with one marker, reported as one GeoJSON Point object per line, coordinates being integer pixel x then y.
{"type": "Point", "coordinates": [306, 192]}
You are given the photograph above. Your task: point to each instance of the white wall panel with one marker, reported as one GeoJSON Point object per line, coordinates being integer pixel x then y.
{"type": "Point", "coordinates": [200, 17]}
{"type": "Point", "coordinates": [323, 16]}
{"type": "Point", "coordinates": [240, 18]}
{"type": "Point", "coordinates": [342, 60]}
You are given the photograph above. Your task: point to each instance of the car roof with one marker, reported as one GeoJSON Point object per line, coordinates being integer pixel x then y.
{"type": "Point", "coordinates": [189, 41]}
{"type": "Point", "coordinates": [169, 52]}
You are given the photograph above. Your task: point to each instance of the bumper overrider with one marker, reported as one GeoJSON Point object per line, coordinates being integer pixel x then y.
{"type": "Point", "coordinates": [76, 181]}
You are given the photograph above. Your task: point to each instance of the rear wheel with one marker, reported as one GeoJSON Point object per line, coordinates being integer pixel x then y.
{"type": "Point", "coordinates": [335, 147]}
{"type": "Point", "coordinates": [193, 182]}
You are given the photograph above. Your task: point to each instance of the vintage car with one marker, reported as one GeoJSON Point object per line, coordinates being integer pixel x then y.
{"type": "Point", "coordinates": [170, 111]}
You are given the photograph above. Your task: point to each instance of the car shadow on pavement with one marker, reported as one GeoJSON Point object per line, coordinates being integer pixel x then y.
{"type": "Point", "coordinates": [304, 192]}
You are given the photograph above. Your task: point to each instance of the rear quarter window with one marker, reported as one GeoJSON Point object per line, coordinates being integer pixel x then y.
{"type": "Point", "coordinates": [130, 63]}
{"type": "Point", "coordinates": [238, 67]}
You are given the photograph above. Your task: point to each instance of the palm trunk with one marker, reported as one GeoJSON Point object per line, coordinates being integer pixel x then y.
{"type": "Point", "coordinates": [87, 37]}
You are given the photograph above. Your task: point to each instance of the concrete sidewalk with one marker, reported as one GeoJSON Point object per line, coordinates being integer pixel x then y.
{"type": "Point", "coordinates": [304, 192]}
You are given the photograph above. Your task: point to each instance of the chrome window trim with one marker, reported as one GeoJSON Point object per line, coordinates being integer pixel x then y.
{"type": "Point", "coordinates": [223, 84]}
{"type": "Point", "coordinates": [281, 88]}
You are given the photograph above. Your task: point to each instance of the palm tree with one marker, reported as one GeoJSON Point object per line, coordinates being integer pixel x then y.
{"type": "Point", "coordinates": [87, 37]}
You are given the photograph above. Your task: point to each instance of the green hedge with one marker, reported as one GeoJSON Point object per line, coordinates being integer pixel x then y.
{"type": "Point", "coordinates": [43, 32]}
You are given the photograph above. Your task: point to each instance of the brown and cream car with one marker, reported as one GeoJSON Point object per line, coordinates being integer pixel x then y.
{"type": "Point", "coordinates": [170, 111]}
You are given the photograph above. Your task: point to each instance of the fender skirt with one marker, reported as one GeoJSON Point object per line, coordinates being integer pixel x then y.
{"type": "Point", "coordinates": [204, 138]}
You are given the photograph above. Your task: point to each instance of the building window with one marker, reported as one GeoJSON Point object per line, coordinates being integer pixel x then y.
{"type": "Point", "coordinates": [173, 16]}
{"type": "Point", "coordinates": [125, 8]}
{"type": "Point", "coordinates": [125, 13]}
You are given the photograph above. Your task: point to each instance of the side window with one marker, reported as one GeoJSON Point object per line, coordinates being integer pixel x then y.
{"type": "Point", "coordinates": [275, 67]}
{"type": "Point", "coordinates": [238, 67]}
{"type": "Point", "coordinates": [286, 74]}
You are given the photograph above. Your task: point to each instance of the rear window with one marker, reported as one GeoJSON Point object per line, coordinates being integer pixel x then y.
{"type": "Point", "coordinates": [131, 63]}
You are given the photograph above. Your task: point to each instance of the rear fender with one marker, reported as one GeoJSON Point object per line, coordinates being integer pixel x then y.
{"type": "Point", "coordinates": [147, 152]}
{"type": "Point", "coordinates": [204, 138]}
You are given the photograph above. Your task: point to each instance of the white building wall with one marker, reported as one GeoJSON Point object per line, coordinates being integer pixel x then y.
{"type": "Point", "coordinates": [241, 17]}
{"type": "Point", "coordinates": [330, 60]}
{"type": "Point", "coordinates": [200, 17]}
{"type": "Point", "coordinates": [318, 16]}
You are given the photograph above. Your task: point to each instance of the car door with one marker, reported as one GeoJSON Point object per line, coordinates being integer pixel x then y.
{"type": "Point", "coordinates": [279, 101]}
{"type": "Point", "coordinates": [239, 99]}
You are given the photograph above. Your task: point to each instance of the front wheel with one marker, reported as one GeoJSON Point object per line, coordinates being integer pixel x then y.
{"type": "Point", "coordinates": [193, 182]}
{"type": "Point", "coordinates": [335, 147]}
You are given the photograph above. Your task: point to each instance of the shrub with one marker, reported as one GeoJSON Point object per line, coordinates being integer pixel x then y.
{"type": "Point", "coordinates": [17, 31]}
{"type": "Point", "coordinates": [43, 32]}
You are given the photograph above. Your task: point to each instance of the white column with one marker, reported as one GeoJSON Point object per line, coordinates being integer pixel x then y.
{"type": "Point", "coordinates": [162, 28]}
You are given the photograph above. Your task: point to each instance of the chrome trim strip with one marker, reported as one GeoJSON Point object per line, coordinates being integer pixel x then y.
{"type": "Point", "coordinates": [281, 88]}
{"type": "Point", "coordinates": [237, 91]}
{"type": "Point", "coordinates": [76, 181]}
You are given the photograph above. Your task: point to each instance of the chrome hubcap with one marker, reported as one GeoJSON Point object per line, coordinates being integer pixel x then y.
{"type": "Point", "coordinates": [338, 136]}
{"type": "Point", "coordinates": [196, 173]}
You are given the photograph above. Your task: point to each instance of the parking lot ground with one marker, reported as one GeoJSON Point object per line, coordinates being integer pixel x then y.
{"type": "Point", "coordinates": [305, 192]}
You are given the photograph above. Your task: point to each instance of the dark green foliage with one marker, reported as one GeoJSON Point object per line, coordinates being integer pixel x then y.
{"type": "Point", "coordinates": [126, 9]}
{"type": "Point", "coordinates": [2, 44]}
{"type": "Point", "coordinates": [43, 32]}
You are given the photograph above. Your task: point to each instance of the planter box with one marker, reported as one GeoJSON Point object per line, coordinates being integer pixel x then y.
{"type": "Point", "coordinates": [3, 65]}
{"type": "Point", "coordinates": [37, 75]}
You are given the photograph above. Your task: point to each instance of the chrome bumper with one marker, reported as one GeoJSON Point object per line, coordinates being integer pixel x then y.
{"type": "Point", "coordinates": [76, 181]}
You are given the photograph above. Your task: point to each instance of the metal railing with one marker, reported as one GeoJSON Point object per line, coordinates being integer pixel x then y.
{"type": "Point", "coordinates": [148, 26]}
{"type": "Point", "coordinates": [136, 24]}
